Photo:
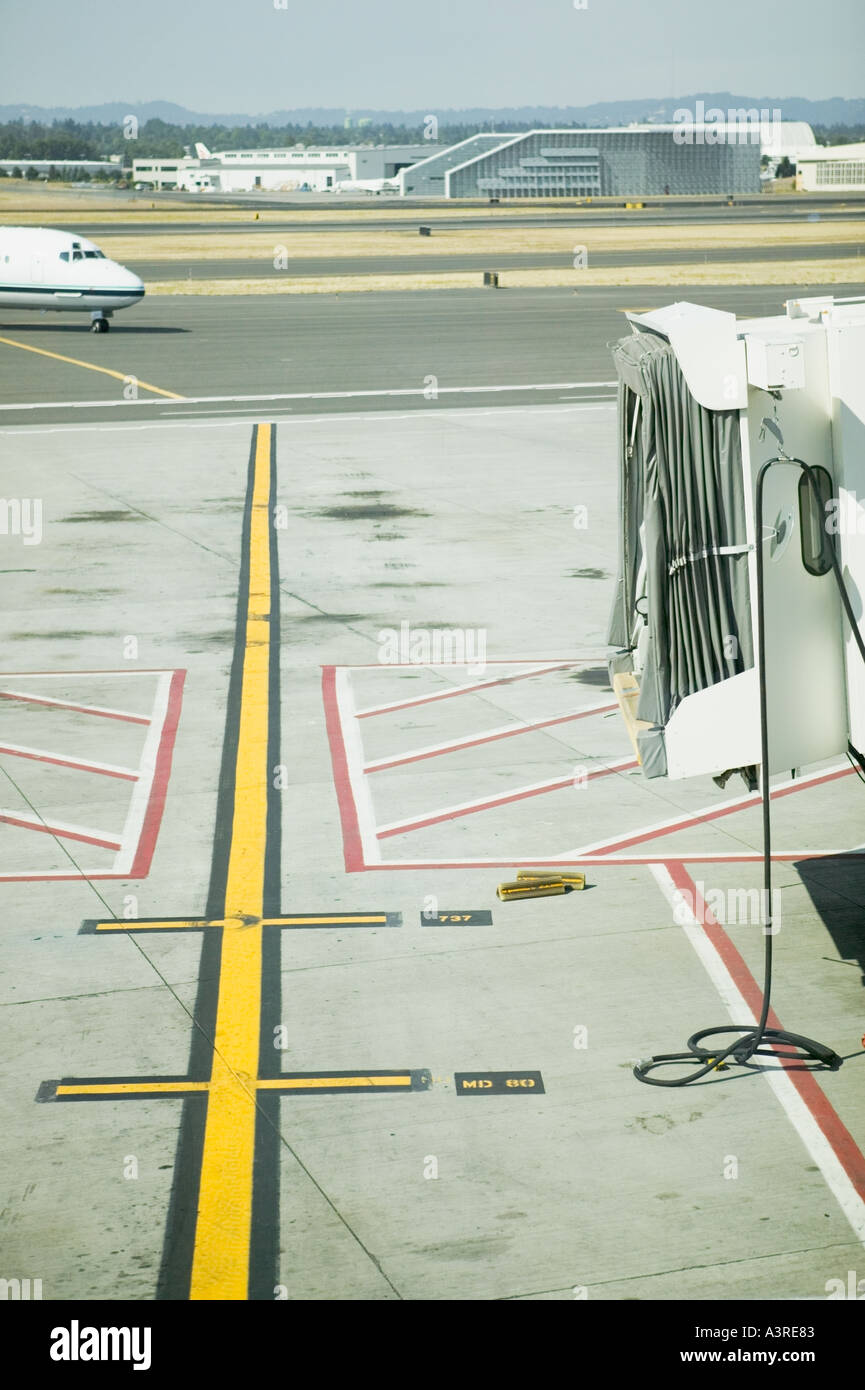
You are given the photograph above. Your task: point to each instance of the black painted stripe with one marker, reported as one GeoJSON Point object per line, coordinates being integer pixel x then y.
{"type": "Point", "coordinates": [177, 1252]}
{"type": "Point", "coordinates": [71, 290]}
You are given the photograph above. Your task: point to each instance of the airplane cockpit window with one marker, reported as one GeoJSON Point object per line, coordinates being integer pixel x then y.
{"type": "Point", "coordinates": [78, 255]}
{"type": "Point", "coordinates": [95, 255]}
{"type": "Point", "coordinates": [64, 255]}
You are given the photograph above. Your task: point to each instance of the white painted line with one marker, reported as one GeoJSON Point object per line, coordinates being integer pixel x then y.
{"type": "Point", "coordinates": [104, 671]}
{"type": "Point", "coordinates": [486, 803]}
{"type": "Point", "coordinates": [301, 421]}
{"type": "Point", "coordinates": [140, 798]}
{"type": "Point", "coordinates": [44, 755]}
{"type": "Point", "coordinates": [789, 1098]}
{"type": "Point", "coordinates": [77, 876]}
{"type": "Point", "coordinates": [314, 395]}
{"type": "Point", "coordinates": [459, 689]}
{"type": "Point", "coordinates": [575, 659]}
{"type": "Point", "coordinates": [686, 820]}
{"type": "Point", "coordinates": [360, 787]}
{"type": "Point", "coordinates": [434, 750]}
{"type": "Point", "coordinates": [564, 861]}
{"type": "Point", "coordinates": [60, 829]}
{"type": "Point", "coordinates": [102, 710]}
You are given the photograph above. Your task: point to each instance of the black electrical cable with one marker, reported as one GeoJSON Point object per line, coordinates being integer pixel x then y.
{"type": "Point", "coordinates": [749, 1042]}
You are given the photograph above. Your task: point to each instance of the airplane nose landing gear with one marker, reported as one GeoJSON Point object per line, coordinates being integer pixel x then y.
{"type": "Point", "coordinates": [99, 321]}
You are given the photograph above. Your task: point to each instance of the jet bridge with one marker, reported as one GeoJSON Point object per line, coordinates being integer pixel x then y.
{"type": "Point", "coordinates": [705, 399]}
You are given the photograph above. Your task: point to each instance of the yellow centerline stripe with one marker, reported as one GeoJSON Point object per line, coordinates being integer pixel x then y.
{"type": "Point", "coordinates": [93, 367]}
{"type": "Point", "coordinates": [220, 1259]}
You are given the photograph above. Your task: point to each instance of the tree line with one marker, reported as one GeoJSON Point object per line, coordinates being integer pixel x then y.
{"type": "Point", "coordinates": [155, 139]}
{"type": "Point", "coordinates": [70, 140]}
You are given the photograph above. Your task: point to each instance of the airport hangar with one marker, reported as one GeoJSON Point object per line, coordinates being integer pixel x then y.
{"type": "Point", "coordinates": [706, 158]}
{"type": "Point", "coordinates": [683, 159]}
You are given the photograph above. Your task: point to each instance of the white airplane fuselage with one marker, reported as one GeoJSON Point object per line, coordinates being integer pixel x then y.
{"type": "Point", "coordinates": [45, 269]}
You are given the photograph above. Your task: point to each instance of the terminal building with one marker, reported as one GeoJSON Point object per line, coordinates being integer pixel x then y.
{"type": "Point", "coordinates": [296, 169]}
{"type": "Point", "coordinates": [832, 169]}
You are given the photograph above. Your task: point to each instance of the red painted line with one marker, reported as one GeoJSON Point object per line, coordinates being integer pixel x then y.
{"type": "Point", "coordinates": [485, 738]}
{"type": "Point", "coordinates": [705, 816]}
{"type": "Point", "coordinates": [68, 762]}
{"type": "Point", "coordinates": [79, 709]}
{"type": "Point", "coordinates": [351, 839]}
{"type": "Point", "coordinates": [58, 878]}
{"type": "Point", "coordinates": [843, 1144]}
{"type": "Point", "coordinates": [462, 690]}
{"type": "Point", "coordinates": [505, 799]}
{"type": "Point", "coordinates": [61, 834]}
{"type": "Point", "coordinates": [593, 861]}
{"type": "Point", "coordinates": [488, 661]}
{"type": "Point", "coordinates": [100, 671]}
{"type": "Point", "coordinates": [161, 774]}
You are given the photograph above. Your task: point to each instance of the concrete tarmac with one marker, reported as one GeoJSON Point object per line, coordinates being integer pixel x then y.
{"type": "Point", "coordinates": [279, 770]}
{"type": "Point", "coordinates": [379, 1175]}
{"type": "Point", "coordinates": [430, 263]}
{"type": "Point", "coordinates": [341, 214]}
{"type": "Point", "coordinates": [322, 353]}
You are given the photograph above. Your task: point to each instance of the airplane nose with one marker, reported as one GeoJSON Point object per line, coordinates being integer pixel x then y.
{"type": "Point", "coordinates": [122, 278]}
{"type": "Point", "coordinates": [132, 282]}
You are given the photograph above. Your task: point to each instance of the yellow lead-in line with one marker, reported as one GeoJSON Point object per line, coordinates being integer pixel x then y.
{"type": "Point", "coordinates": [328, 920]}
{"type": "Point", "coordinates": [220, 1258]}
{"type": "Point", "coordinates": [93, 367]}
{"type": "Point", "coordinates": [130, 1088]}
{"type": "Point", "coordinates": [303, 1083]}
{"type": "Point", "coordinates": [288, 1083]}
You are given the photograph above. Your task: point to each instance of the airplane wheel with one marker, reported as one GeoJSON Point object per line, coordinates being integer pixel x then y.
{"type": "Point", "coordinates": [99, 326]}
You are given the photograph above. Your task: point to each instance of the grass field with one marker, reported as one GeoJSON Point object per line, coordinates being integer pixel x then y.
{"type": "Point", "coordinates": [228, 246]}
{"type": "Point", "coordinates": [29, 205]}
{"type": "Point", "coordinates": [848, 271]}
{"type": "Point", "coordinates": [273, 235]}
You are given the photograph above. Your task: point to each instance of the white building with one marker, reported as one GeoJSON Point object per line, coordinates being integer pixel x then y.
{"type": "Point", "coordinates": [295, 169]}
{"type": "Point", "coordinates": [832, 168]}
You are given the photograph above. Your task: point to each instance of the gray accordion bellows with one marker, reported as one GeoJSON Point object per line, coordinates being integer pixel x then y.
{"type": "Point", "coordinates": [680, 478]}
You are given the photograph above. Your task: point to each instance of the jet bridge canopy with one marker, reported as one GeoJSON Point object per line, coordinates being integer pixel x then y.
{"type": "Point", "coordinates": [705, 401]}
{"type": "Point", "coordinates": [683, 545]}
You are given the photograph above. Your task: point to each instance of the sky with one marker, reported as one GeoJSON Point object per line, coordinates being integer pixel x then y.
{"type": "Point", "coordinates": [255, 56]}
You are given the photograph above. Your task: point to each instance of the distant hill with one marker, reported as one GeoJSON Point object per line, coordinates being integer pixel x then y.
{"type": "Point", "coordinates": [834, 111]}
